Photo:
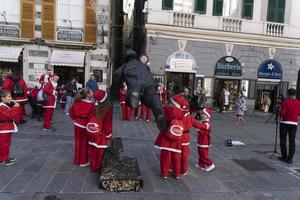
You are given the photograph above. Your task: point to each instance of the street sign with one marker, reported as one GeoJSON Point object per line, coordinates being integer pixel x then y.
{"type": "Point", "coordinates": [144, 58]}
{"type": "Point", "coordinates": [270, 69]}
{"type": "Point", "coordinates": [228, 66]}
{"type": "Point", "coordinates": [69, 35]}
{"type": "Point", "coordinates": [9, 31]}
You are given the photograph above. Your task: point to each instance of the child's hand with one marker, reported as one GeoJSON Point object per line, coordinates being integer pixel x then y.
{"type": "Point", "coordinates": [17, 105]}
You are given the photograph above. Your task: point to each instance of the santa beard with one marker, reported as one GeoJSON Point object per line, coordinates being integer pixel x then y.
{"type": "Point", "coordinates": [54, 84]}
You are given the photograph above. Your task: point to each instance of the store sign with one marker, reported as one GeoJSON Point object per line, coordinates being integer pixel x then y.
{"type": "Point", "coordinates": [9, 31]}
{"type": "Point", "coordinates": [69, 35]}
{"type": "Point", "coordinates": [228, 66]}
{"type": "Point", "coordinates": [178, 64]}
{"type": "Point", "coordinates": [270, 69]}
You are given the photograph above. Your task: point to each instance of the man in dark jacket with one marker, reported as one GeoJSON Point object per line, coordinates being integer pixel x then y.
{"type": "Point", "coordinates": [92, 83]}
{"type": "Point", "coordinates": [289, 113]}
{"type": "Point", "coordinates": [141, 86]}
{"type": "Point", "coordinates": [71, 90]}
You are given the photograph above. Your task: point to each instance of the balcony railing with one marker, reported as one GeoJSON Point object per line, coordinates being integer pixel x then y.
{"type": "Point", "coordinates": [233, 25]}
{"type": "Point", "coordinates": [274, 29]}
{"type": "Point", "coordinates": [183, 19]}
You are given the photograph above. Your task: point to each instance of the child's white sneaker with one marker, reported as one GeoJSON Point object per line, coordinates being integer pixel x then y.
{"type": "Point", "coordinates": [209, 168]}
{"type": "Point", "coordinates": [197, 166]}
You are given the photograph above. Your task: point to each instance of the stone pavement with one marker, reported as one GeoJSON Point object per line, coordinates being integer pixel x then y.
{"type": "Point", "coordinates": [44, 166]}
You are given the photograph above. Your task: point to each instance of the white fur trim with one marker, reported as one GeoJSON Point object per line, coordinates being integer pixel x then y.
{"type": "Point", "coordinates": [79, 125]}
{"type": "Point", "coordinates": [176, 126]}
{"type": "Point", "coordinates": [97, 146]}
{"type": "Point", "coordinates": [3, 104]}
{"type": "Point", "coordinates": [185, 144]}
{"type": "Point", "coordinates": [175, 104]}
{"type": "Point", "coordinates": [122, 102]}
{"type": "Point", "coordinates": [289, 122]}
{"type": "Point", "coordinates": [109, 136]}
{"type": "Point", "coordinates": [204, 110]}
{"type": "Point", "coordinates": [20, 100]}
{"type": "Point", "coordinates": [203, 145]}
{"type": "Point", "coordinates": [168, 149]}
{"type": "Point", "coordinates": [87, 101]}
{"type": "Point", "coordinates": [103, 97]}
{"type": "Point", "coordinates": [92, 131]}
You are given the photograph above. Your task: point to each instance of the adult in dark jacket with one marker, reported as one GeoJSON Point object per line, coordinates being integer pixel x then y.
{"type": "Point", "coordinates": [92, 83]}
{"type": "Point", "coordinates": [289, 113]}
{"type": "Point", "coordinates": [141, 86]}
{"type": "Point", "coordinates": [71, 90]}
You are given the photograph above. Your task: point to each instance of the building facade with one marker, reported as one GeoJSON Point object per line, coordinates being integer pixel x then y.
{"type": "Point", "coordinates": [246, 45]}
{"type": "Point", "coordinates": [68, 36]}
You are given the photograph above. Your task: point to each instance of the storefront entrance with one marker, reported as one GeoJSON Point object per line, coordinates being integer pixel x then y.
{"type": "Point", "coordinates": [270, 90]}
{"type": "Point", "coordinates": [65, 74]}
{"type": "Point", "coordinates": [177, 81]}
{"type": "Point", "coordinates": [233, 86]}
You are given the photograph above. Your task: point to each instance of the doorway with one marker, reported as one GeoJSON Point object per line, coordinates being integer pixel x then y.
{"type": "Point", "coordinates": [176, 82]}
{"type": "Point", "coordinates": [233, 86]}
{"type": "Point", "coordinates": [269, 90]}
{"type": "Point", "coordinates": [66, 73]}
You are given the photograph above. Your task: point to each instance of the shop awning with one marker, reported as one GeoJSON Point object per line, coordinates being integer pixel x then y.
{"type": "Point", "coordinates": [67, 58]}
{"type": "Point", "coordinates": [182, 71]}
{"type": "Point", "coordinates": [229, 77]}
{"type": "Point", "coordinates": [10, 54]}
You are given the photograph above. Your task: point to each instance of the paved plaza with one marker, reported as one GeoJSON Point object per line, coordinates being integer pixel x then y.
{"type": "Point", "coordinates": [44, 164]}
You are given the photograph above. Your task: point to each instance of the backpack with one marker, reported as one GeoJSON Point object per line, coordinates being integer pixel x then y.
{"type": "Point", "coordinates": [17, 90]}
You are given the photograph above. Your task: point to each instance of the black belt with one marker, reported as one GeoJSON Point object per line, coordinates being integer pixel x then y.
{"type": "Point", "coordinates": [186, 131]}
{"type": "Point", "coordinates": [6, 121]}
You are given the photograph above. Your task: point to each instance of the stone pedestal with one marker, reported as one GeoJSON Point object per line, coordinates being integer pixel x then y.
{"type": "Point", "coordinates": [120, 173]}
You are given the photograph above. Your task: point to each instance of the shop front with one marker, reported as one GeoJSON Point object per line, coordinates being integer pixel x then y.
{"type": "Point", "coordinates": [180, 73]}
{"type": "Point", "coordinates": [67, 65]}
{"type": "Point", "coordinates": [268, 85]}
{"type": "Point", "coordinates": [10, 58]}
{"type": "Point", "coordinates": [228, 74]}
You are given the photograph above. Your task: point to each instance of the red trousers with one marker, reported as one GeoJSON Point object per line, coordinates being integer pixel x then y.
{"type": "Point", "coordinates": [81, 146]}
{"type": "Point", "coordinates": [20, 113]}
{"type": "Point", "coordinates": [203, 157]}
{"type": "Point", "coordinates": [166, 157]}
{"type": "Point", "coordinates": [185, 152]}
{"type": "Point", "coordinates": [126, 112]}
{"type": "Point", "coordinates": [48, 113]}
{"type": "Point", "coordinates": [146, 110]}
{"type": "Point", "coordinates": [5, 141]}
{"type": "Point", "coordinates": [96, 158]}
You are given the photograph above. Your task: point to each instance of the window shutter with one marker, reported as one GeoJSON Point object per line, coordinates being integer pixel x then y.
{"type": "Point", "coordinates": [218, 8]}
{"type": "Point", "coordinates": [200, 6]}
{"type": "Point", "coordinates": [247, 9]}
{"type": "Point", "coordinates": [167, 4]}
{"type": "Point", "coordinates": [90, 23]}
{"type": "Point", "coordinates": [48, 19]}
{"type": "Point", "coordinates": [27, 18]}
{"type": "Point", "coordinates": [276, 11]}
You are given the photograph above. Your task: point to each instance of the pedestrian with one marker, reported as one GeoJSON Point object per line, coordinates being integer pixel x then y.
{"type": "Point", "coordinates": [45, 78]}
{"type": "Point", "coordinates": [186, 94]}
{"type": "Point", "coordinates": [226, 97]}
{"type": "Point", "coordinates": [266, 103]}
{"type": "Point", "coordinates": [162, 92]}
{"type": "Point", "coordinates": [201, 101]}
{"type": "Point", "coordinates": [16, 85]}
{"type": "Point", "coordinates": [98, 134]}
{"type": "Point", "coordinates": [169, 140]}
{"type": "Point", "coordinates": [204, 142]}
{"type": "Point", "coordinates": [36, 107]}
{"type": "Point", "coordinates": [126, 111]}
{"type": "Point", "coordinates": [8, 114]}
{"type": "Point", "coordinates": [92, 83]}
{"type": "Point", "coordinates": [71, 90]}
{"type": "Point", "coordinates": [240, 108]}
{"type": "Point", "coordinates": [49, 105]}
{"type": "Point", "coordinates": [147, 111]}
{"type": "Point", "coordinates": [289, 113]}
{"type": "Point", "coordinates": [80, 112]}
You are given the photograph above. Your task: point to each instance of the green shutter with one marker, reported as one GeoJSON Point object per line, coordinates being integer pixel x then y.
{"type": "Point", "coordinates": [276, 11]}
{"type": "Point", "coordinates": [247, 9]}
{"type": "Point", "coordinates": [167, 4]}
{"type": "Point", "coordinates": [200, 6]}
{"type": "Point", "coordinates": [218, 8]}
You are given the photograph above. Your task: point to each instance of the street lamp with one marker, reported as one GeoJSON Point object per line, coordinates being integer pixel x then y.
{"type": "Point", "coordinates": [102, 21]}
{"type": "Point", "coordinates": [3, 14]}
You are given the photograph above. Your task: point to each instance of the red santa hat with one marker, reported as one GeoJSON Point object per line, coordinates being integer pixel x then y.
{"type": "Point", "coordinates": [100, 95]}
{"type": "Point", "coordinates": [207, 111]}
{"type": "Point", "coordinates": [55, 76]}
{"type": "Point", "coordinates": [180, 102]}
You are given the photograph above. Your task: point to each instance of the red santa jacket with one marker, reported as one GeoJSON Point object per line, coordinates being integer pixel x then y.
{"type": "Point", "coordinates": [107, 123]}
{"type": "Point", "coordinates": [95, 134]}
{"type": "Point", "coordinates": [8, 85]}
{"type": "Point", "coordinates": [188, 122]}
{"type": "Point", "coordinates": [290, 111]}
{"type": "Point", "coordinates": [122, 95]}
{"type": "Point", "coordinates": [204, 140]}
{"type": "Point", "coordinates": [81, 111]}
{"type": "Point", "coordinates": [170, 139]}
{"type": "Point", "coordinates": [50, 90]}
{"type": "Point", "coordinates": [7, 117]}
{"type": "Point", "coordinates": [45, 78]}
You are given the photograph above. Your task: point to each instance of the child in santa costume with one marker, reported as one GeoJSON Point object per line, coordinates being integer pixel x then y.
{"type": "Point", "coordinates": [99, 130]}
{"type": "Point", "coordinates": [8, 84]}
{"type": "Point", "coordinates": [204, 142]}
{"type": "Point", "coordinates": [146, 110]}
{"type": "Point", "coordinates": [169, 140]}
{"type": "Point", "coordinates": [49, 106]}
{"type": "Point", "coordinates": [7, 126]}
{"type": "Point", "coordinates": [126, 111]}
{"type": "Point", "coordinates": [80, 112]}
